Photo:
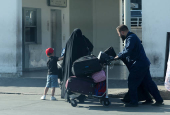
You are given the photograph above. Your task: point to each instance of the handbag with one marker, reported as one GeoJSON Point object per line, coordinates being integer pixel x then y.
{"type": "Point", "coordinates": [99, 76]}
{"type": "Point", "coordinates": [59, 67]}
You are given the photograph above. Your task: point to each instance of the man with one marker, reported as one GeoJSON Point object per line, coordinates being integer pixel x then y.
{"type": "Point", "coordinates": [143, 94]}
{"type": "Point", "coordinates": [139, 73]}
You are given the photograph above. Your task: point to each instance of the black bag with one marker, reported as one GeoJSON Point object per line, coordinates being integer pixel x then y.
{"type": "Point", "coordinates": [81, 85]}
{"type": "Point", "coordinates": [103, 57]}
{"type": "Point", "coordinates": [110, 51]}
{"type": "Point", "coordinates": [59, 66]}
{"type": "Point", "coordinates": [86, 65]}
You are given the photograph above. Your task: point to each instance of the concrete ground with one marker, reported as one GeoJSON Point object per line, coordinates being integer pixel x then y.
{"type": "Point", "coordinates": [15, 104]}
{"type": "Point", "coordinates": [22, 96]}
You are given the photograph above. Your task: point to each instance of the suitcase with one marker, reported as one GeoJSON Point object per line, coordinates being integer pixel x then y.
{"type": "Point", "coordinates": [86, 65]}
{"type": "Point", "coordinates": [103, 57]}
{"type": "Point", "coordinates": [110, 51]}
{"type": "Point", "coordinates": [83, 85]}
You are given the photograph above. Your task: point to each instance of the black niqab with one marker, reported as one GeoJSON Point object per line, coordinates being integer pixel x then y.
{"type": "Point", "coordinates": [76, 47]}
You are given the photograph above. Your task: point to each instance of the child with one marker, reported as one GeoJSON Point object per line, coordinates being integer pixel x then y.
{"type": "Point", "coordinates": [52, 77]}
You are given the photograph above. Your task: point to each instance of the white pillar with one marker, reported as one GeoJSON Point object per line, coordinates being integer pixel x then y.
{"type": "Point", "coordinates": [11, 38]}
{"type": "Point", "coordinates": [127, 15]}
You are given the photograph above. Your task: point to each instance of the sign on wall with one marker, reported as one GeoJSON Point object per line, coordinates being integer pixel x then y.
{"type": "Point", "coordinates": [57, 3]}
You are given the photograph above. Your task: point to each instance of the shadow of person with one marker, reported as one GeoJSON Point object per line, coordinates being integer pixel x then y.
{"type": "Point", "coordinates": [117, 105]}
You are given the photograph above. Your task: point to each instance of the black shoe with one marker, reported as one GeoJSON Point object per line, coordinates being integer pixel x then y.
{"type": "Point", "coordinates": [131, 105]}
{"type": "Point", "coordinates": [147, 102]}
{"type": "Point", "coordinates": [158, 103]}
{"type": "Point", "coordinates": [124, 101]}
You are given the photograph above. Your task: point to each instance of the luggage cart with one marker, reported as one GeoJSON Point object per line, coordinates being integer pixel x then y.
{"type": "Point", "coordinates": [104, 99]}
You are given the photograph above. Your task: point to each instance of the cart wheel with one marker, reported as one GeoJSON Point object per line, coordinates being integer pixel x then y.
{"type": "Point", "coordinates": [73, 103]}
{"type": "Point", "coordinates": [106, 103]}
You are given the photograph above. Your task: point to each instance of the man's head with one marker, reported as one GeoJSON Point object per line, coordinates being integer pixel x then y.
{"type": "Point", "coordinates": [49, 52]}
{"type": "Point", "coordinates": [122, 31]}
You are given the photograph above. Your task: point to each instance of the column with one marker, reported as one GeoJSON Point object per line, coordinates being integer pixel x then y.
{"type": "Point", "coordinates": [11, 38]}
{"type": "Point", "coordinates": [127, 15]}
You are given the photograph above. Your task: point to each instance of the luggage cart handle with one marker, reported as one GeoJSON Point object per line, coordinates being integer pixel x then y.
{"type": "Point", "coordinates": [107, 81]}
{"type": "Point", "coordinates": [108, 61]}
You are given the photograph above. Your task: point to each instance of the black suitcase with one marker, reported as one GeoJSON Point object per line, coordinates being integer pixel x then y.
{"type": "Point", "coordinates": [103, 57]}
{"type": "Point", "coordinates": [110, 51]}
{"type": "Point", "coordinates": [83, 85]}
{"type": "Point", "coordinates": [86, 65]}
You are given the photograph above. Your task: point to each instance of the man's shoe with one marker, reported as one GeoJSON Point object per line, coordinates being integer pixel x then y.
{"type": "Point", "coordinates": [147, 102]}
{"type": "Point", "coordinates": [158, 103]}
{"type": "Point", "coordinates": [131, 105]}
{"type": "Point", "coordinates": [52, 98]}
{"type": "Point", "coordinates": [43, 97]}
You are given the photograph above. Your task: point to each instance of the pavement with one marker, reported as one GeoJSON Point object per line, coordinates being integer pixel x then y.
{"type": "Point", "coordinates": [15, 104]}
{"type": "Point", "coordinates": [34, 82]}
{"type": "Point", "coordinates": [22, 96]}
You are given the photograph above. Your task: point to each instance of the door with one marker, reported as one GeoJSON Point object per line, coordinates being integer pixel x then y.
{"type": "Point", "coordinates": [56, 41]}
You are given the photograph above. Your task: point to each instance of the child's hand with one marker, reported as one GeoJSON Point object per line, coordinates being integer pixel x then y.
{"type": "Point", "coordinates": [61, 58]}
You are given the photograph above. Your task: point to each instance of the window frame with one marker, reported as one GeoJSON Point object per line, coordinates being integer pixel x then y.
{"type": "Point", "coordinates": [38, 38]}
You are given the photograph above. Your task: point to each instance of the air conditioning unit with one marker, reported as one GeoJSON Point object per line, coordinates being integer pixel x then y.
{"type": "Point", "coordinates": [134, 5]}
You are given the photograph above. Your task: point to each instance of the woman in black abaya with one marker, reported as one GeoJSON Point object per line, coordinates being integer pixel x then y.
{"type": "Point", "coordinates": [77, 46]}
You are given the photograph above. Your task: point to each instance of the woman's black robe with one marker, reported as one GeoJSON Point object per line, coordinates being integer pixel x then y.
{"type": "Point", "coordinates": [77, 46]}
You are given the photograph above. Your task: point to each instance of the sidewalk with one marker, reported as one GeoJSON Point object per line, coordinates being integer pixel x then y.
{"type": "Point", "coordinates": [32, 83]}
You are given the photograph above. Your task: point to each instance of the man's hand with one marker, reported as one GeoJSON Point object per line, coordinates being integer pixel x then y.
{"type": "Point", "coordinates": [116, 57]}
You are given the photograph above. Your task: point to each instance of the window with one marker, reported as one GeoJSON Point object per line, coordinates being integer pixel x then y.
{"type": "Point", "coordinates": [32, 25]}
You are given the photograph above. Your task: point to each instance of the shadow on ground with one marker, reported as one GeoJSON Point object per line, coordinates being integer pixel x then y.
{"type": "Point", "coordinates": [117, 105]}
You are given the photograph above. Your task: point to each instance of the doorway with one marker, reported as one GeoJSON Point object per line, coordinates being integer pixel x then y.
{"type": "Point", "coordinates": [56, 30]}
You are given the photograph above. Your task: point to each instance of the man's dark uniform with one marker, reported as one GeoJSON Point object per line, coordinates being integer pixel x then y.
{"type": "Point", "coordinates": [139, 73]}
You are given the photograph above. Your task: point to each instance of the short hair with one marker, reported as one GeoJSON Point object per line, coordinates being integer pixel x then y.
{"type": "Point", "coordinates": [49, 54]}
{"type": "Point", "coordinates": [122, 28]}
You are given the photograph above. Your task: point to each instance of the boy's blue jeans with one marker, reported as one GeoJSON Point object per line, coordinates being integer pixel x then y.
{"type": "Point", "coordinates": [52, 81]}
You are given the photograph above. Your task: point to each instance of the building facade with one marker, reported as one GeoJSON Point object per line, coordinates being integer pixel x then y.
{"type": "Point", "coordinates": [28, 27]}
{"type": "Point", "coordinates": [155, 37]}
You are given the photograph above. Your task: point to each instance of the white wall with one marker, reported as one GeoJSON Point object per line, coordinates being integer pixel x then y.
{"type": "Point", "coordinates": [10, 38]}
{"type": "Point", "coordinates": [155, 25]}
{"type": "Point", "coordinates": [81, 16]}
{"type": "Point", "coordinates": [98, 20]}
{"type": "Point", "coordinates": [106, 19]}
{"type": "Point", "coordinates": [37, 51]}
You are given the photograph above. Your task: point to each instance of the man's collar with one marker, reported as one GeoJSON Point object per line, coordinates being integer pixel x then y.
{"type": "Point", "coordinates": [128, 34]}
